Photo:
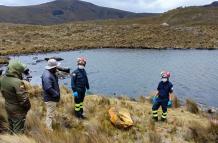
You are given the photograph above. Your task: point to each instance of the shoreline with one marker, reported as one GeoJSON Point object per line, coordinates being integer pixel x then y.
{"type": "Point", "coordinates": [4, 58]}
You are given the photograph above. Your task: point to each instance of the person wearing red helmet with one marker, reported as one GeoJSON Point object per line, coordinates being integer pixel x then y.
{"type": "Point", "coordinates": [79, 84]}
{"type": "Point", "coordinates": [163, 97]}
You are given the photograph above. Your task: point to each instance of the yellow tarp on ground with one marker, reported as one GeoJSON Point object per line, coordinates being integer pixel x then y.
{"type": "Point", "coordinates": [120, 117]}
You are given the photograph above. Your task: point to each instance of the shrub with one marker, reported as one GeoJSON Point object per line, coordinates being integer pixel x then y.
{"type": "Point", "coordinates": [191, 106]}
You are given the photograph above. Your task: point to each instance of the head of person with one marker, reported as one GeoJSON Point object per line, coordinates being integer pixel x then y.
{"type": "Point", "coordinates": [52, 65]}
{"type": "Point", "coordinates": [16, 68]}
{"type": "Point", "coordinates": [165, 76]}
{"type": "Point", "coordinates": [81, 62]}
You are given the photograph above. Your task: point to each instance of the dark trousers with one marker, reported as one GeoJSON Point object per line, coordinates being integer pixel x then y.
{"type": "Point", "coordinates": [79, 103]}
{"type": "Point", "coordinates": [16, 124]}
{"type": "Point", "coordinates": [163, 103]}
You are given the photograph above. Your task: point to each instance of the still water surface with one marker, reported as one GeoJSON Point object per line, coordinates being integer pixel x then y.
{"type": "Point", "coordinates": [137, 72]}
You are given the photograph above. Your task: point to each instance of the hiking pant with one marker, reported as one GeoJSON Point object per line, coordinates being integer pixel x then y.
{"type": "Point", "coordinates": [79, 103]}
{"type": "Point", "coordinates": [163, 103]}
{"type": "Point", "coordinates": [16, 124]}
{"type": "Point", "coordinates": [51, 107]}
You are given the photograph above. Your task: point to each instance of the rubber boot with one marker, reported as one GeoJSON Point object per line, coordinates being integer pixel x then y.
{"type": "Point", "coordinates": [77, 114]}
{"type": "Point", "coordinates": [155, 119]}
{"type": "Point", "coordinates": [163, 119]}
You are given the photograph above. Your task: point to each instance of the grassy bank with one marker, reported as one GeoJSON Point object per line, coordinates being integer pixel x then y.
{"type": "Point", "coordinates": [22, 39]}
{"type": "Point", "coordinates": [182, 126]}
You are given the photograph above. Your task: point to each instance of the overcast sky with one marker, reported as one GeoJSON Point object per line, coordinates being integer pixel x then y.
{"type": "Point", "coordinates": [129, 5]}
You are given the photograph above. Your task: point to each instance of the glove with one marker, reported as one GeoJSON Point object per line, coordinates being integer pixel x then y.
{"type": "Point", "coordinates": [170, 103]}
{"type": "Point", "coordinates": [154, 99]}
{"type": "Point", "coordinates": [75, 94]}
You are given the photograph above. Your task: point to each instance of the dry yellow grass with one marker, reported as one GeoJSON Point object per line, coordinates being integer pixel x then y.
{"type": "Point", "coordinates": [98, 129]}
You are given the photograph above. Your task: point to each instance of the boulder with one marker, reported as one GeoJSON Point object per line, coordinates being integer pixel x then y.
{"type": "Point", "coordinates": [165, 24]}
{"type": "Point", "coordinates": [120, 117]}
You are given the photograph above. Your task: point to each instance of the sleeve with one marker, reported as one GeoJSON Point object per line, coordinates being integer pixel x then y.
{"type": "Point", "coordinates": [158, 88]}
{"type": "Point", "coordinates": [73, 81]}
{"type": "Point", "coordinates": [47, 82]}
{"type": "Point", "coordinates": [171, 88]}
{"type": "Point", "coordinates": [87, 82]}
{"type": "Point", "coordinates": [22, 96]}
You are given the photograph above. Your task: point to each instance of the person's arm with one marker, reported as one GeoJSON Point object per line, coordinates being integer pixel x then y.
{"type": "Point", "coordinates": [158, 89]}
{"type": "Point", "coordinates": [171, 93]}
{"type": "Point", "coordinates": [87, 82]}
{"type": "Point", "coordinates": [73, 82]}
{"type": "Point", "coordinates": [22, 96]}
{"type": "Point", "coordinates": [47, 82]}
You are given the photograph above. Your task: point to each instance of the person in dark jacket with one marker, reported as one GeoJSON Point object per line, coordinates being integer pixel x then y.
{"type": "Point", "coordinates": [51, 90]}
{"type": "Point", "coordinates": [79, 84]}
{"type": "Point", "coordinates": [164, 98]}
{"type": "Point", "coordinates": [17, 102]}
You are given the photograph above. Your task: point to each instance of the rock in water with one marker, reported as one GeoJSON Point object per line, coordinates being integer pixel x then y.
{"type": "Point", "coordinates": [56, 58]}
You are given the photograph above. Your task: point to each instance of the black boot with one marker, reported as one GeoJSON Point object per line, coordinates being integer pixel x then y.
{"type": "Point", "coordinates": [163, 119]}
{"type": "Point", "coordinates": [77, 114]}
{"type": "Point", "coordinates": [155, 119]}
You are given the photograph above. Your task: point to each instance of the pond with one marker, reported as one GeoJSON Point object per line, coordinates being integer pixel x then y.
{"type": "Point", "coordinates": [135, 73]}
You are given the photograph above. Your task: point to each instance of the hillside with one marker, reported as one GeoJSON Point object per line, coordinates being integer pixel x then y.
{"type": "Point", "coordinates": [185, 28]}
{"type": "Point", "coordinates": [182, 126]}
{"type": "Point", "coordinates": [61, 11]}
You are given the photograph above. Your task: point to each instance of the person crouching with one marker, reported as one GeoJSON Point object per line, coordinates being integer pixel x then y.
{"type": "Point", "coordinates": [79, 84]}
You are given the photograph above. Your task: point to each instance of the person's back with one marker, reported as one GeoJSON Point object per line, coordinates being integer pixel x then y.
{"type": "Point", "coordinates": [50, 81]}
{"type": "Point", "coordinates": [17, 103]}
{"type": "Point", "coordinates": [10, 88]}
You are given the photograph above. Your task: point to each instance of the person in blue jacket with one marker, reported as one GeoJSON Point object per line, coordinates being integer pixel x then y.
{"type": "Point", "coordinates": [51, 90]}
{"type": "Point", "coordinates": [79, 84]}
{"type": "Point", "coordinates": [163, 97]}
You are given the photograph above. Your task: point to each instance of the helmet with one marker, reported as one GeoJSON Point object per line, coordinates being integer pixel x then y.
{"type": "Point", "coordinates": [165, 74]}
{"type": "Point", "coordinates": [81, 61]}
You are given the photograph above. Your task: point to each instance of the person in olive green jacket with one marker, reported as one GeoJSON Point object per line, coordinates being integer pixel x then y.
{"type": "Point", "coordinates": [17, 103]}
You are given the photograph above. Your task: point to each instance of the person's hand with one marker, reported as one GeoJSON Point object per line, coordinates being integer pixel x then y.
{"type": "Point", "coordinates": [75, 94]}
{"type": "Point", "coordinates": [154, 99]}
{"type": "Point", "coordinates": [170, 103]}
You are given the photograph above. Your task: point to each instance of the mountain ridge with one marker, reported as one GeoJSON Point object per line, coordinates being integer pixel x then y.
{"type": "Point", "coordinates": [62, 11]}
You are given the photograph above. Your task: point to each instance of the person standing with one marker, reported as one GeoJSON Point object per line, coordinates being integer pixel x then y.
{"type": "Point", "coordinates": [164, 97]}
{"type": "Point", "coordinates": [51, 90]}
{"type": "Point", "coordinates": [79, 84]}
{"type": "Point", "coordinates": [17, 102]}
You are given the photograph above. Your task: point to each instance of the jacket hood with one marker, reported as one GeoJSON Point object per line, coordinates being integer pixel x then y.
{"type": "Point", "coordinates": [16, 68]}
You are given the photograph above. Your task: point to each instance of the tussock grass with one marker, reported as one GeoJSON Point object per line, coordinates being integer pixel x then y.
{"type": "Point", "coordinates": [98, 128]}
{"type": "Point", "coordinates": [24, 39]}
{"type": "Point", "coordinates": [201, 134]}
{"type": "Point", "coordinates": [191, 106]}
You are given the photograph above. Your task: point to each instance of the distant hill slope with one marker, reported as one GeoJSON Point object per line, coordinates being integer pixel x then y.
{"type": "Point", "coordinates": [207, 14]}
{"type": "Point", "coordinates": [61, 11]}
{"type": "Point", "coordinates": [214, 4]}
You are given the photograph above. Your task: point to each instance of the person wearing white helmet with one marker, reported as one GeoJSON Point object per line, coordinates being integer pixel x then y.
{"type": "Point", "coordinates": [79, 84]}
{"type": "Point", "coordinates": [163, 97]}
{"type": "Point", "coordinates": [51, 90]}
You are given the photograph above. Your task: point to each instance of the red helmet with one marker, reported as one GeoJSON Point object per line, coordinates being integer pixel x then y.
{"type": "Point", "coordinates": [165, 74]}
{"type": "Point", "coordinates": [81, 61]}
